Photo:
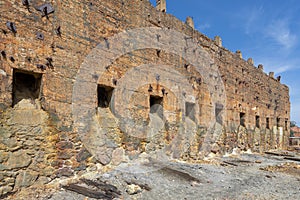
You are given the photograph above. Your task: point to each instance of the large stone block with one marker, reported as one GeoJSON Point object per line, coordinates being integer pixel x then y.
{"type": "Point", "coordinates": [5, 189]}
{"type": "Point", "coordinates": [26, 179]}
{"type": "Point", "coordinates": [18, 160]}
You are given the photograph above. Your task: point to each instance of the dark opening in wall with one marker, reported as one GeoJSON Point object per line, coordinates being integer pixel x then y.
{"type": "Point", "coordinates": [286, 124]}
{"type": "Point", "coordinates": [242, 119]}
{"type": "Point", "coordinates": [278, 122]}
{"type": "Point", "coordinates": [218, 110]}
{"type": "Point", "coordinates": [268, 123]}
{"type": "Point", "coordinates": [26, 85]}
{"type": "Point", "coordinates": [156, 105]}
{"type": "Point", "coordinates": [257, 121]}
{"type": "Point", "coordinates": [190, 111]}
{"type": "Point", "coordinates": [104, 95]}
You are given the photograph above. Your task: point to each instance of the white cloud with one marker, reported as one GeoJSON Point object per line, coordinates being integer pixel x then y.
{"type": "Point", "coordinates": [203, 27]}
{"type": "Point", "coordinates": [270, 26]}
{"type": "Point", "coordinates": [252, 18]}
{"type": "Point", "coordinates": [282, 69]}
{"type": "Point", "coordinates": [277, 46]}
{"type": "Point", "coordinates": [278, 62]}
{"type": "Point", "coordinates": [279, 31]}
{"type": "Point", "coordinates": [277, 65]}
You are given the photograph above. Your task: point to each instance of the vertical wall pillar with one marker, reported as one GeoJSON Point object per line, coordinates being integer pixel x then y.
{"type": "Point", "coordinates": [239, 54]}
{"type": "Point", "coordinates": [250, 61]}
{"type": "Point", "coordinates": [280, 139]}
{"type": "Point", "coordinates": [189, 21]}
{"type": "Point", "coordinates": [274, 138]}
{"type": "Point", "coordinates": [218, 41]}
{"type": "Point", "coordinates": [161, 5]}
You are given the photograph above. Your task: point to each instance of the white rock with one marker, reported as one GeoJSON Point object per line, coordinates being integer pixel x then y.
{"type": "Point", "coordinates": [2, 72]}
{"type": "Point", "coordinates": [133, 189]}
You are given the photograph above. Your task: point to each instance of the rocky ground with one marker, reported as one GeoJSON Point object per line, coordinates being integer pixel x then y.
{"type": "Point", "coordinates": [235, 176]}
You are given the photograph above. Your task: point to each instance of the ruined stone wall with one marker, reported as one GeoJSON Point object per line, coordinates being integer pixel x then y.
{"type": "Point", "coordinates": [40, 62]}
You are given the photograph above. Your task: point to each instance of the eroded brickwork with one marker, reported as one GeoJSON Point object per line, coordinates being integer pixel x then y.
{"type": "Point", "coordinates": [39, 140]}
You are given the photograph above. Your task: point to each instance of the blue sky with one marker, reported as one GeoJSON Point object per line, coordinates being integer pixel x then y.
{"type": "Point", "coordinates": [266, 30]}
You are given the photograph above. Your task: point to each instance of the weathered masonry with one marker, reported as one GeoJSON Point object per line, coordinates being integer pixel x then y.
{"type": "Point", "coordinates": [109, 82]}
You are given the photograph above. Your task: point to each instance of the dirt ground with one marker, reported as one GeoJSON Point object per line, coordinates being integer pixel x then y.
{"type": "Point", "coordinates": [235, 176]}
